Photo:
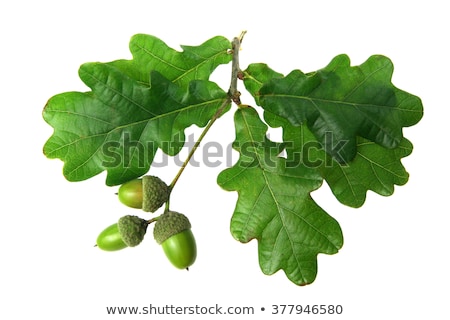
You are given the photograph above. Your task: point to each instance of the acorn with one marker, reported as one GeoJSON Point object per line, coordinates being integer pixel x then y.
{"type": "Point", "coordinates": [173, 232]}
{"type": "Point", "coordinates": [129, 231]}
{"type": "Point", "coordinates": [148, 193]}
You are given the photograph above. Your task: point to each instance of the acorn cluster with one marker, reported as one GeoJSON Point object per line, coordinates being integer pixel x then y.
{"type": "Point", "coordinates": [172, 230]}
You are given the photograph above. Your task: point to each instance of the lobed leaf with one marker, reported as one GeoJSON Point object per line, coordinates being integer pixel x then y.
{"type": "Point", "coordinates": [373, 168]}
{"type": "Point", "coordinates": [119, 126]}
{"type": "Point", "coordinates": [274, 204]}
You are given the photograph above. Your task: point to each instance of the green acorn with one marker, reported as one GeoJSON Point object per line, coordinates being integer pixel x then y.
{"type": "Point", "coordinates": [129, 231]}
{"type": "Point", "coordinates": [132, 229]}
{"type": "Point", "coordinates": [173, 232]}
{"type": "Point", "coordinates": [148, 193]}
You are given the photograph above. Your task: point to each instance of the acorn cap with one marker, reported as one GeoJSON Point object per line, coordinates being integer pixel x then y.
{"type": "Point", "coordinates": [155, 193]}
{"type": "Point", "coordinates": [169, 224]}
{"type": "Point", "coordinates": [132, 229]}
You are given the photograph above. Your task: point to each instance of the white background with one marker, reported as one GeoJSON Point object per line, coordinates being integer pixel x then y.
{"type": "Point", "coordinates": [394, 263]}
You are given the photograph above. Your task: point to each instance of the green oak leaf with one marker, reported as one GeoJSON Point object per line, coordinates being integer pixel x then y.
{"type": "Point", "coordinates": [119, 126]}
{"type": "Point", "coordinates": [193, 63]}
{"type": "Point", "coordinates": [342, 101]}
{"type": "Point", "coordinates": [374, 167]}
{"type": "Point", "coordinates": [275, 206]}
